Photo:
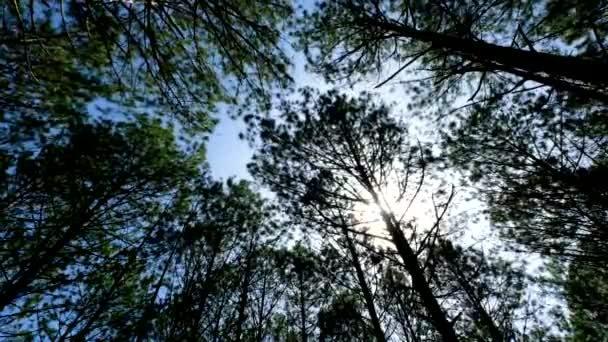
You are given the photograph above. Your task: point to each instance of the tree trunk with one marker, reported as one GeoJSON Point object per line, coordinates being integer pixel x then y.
{"type": "Point", "coordinates": [243, 298]}
{"type": "Point", "coordinates": [419, 281]}
{"type": "Point", "coordinates": [244, 295]}
{"type": "Point", "coordinates": [303, 334]}
{"type": "Point", "coordinates": [367, 295]}
{"type": "Point", "coordinates": [410, 260]}
{"type": "Point", "coordinates": [408, 256]}
{"type": "Point", "coordinates": [561, 72]}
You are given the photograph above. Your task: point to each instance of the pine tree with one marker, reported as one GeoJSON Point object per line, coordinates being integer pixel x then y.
{"type": "Point", "coordinates": [328, 154]}
{"type": "Point", "coordinates": [78, 217]}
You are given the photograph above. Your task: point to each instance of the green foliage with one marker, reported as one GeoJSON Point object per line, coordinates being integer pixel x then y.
{"type": "Point", "coordinates": [181, 58]}
{"type": "Point", "coordinates": [459, 50]}
{"type": "Point", "coordinates": [538, 167]}
{"type": "Point", "coordinates": [76, 215]}
{"type": "Point", "coordinates": [111, 229]}
{"type": "Point", "coordinates": [583, 286]}
{"type": "Point", "coordinates": [587, 294]}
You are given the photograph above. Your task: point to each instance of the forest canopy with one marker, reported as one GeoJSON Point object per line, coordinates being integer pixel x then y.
{"type": "Point", "coordinates": [451, 186]}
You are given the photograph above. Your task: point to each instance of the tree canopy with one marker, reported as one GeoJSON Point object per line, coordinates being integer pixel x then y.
{"type": "Point", "coordinates": [474, 208]}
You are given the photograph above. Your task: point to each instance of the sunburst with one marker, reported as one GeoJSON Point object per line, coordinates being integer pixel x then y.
{"type": "Point", "coordinates": [403, 208]}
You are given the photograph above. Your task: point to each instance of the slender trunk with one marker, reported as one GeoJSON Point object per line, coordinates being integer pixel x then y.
{"type": "Point", "coordinates": [148, 311]}
{"type": "Point", "coordinates": [260, 332]}
{"type": "Point", "coordinates": [243, 299]}
{"type": "Point", "coordinates": [419, 281]}
{"type": "Point", "coordinates": [410, 260]}
{"type": "Point", "coordinates": [486, 319]}
{"type": "Point", "coordinates": [407, 325]}
{"type": "Point", "coordinates": [367, 295]}
{"type": "Point", "coordinates": [554, 70]}
{"type": "Point", "coordinates": [209, 272]}
{"type": "Point", "coordinates": [408, 256]}
{"type": "Point", "coordinates": [218, 318]}
{"type": "Point", "coordinates": [303, 335]}
{"type": "Point", "coordinates": [186, 316]}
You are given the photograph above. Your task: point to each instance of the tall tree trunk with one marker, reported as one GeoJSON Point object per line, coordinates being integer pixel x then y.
{"type": "Point", "coordinates": [562, 72]}
{"type": "Point", "coordinates": [410, 260]}
{"type": "Point", "coordinates": [244, 295]}
{"type": "Point", "coordinates": [243, 298]}
{"type": "Point", "coordinates": [419, 281]}
{"type": "Point", "coordinates": [303, 334]}
{"type": "Point", "coordinates": [141, 329]}
{"type": "Point", "coordinates": [367, 294]}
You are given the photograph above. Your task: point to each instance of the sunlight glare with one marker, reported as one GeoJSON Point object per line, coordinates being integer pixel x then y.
{"type": "Point", "coordinates": [369, 215]}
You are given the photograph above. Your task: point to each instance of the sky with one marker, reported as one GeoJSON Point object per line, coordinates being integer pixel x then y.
{"type": "Point", "coordinates": [226, 153]}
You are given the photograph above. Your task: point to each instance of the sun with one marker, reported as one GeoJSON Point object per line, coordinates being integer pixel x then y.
{"type": "Point", "coordinates": [366, 213]}
{"type": "Point", "coordinates": [404, 208]}
{"type": "Point", "coordinates": [369, 217]}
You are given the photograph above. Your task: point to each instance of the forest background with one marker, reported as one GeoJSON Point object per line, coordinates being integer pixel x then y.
{"type": "Point", "coordinates": [415, 170]}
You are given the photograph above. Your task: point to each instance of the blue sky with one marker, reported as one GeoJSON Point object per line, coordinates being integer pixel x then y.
{"type": "Point", "coordinates": [226, 153]}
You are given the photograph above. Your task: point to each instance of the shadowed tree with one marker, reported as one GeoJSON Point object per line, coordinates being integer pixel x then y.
{"type": "Point", "coordinates": [342, 320]}
{"type": "Point", "coordinates": [539, 168]}
{"type": "Point", "coordinates": [178, 58]}
{"type": "Point", "coordinates": [586, 291]}
{"type": "Point", "coordinates": [583, 287]}
{"type": "Point", "coordinates": [484, 48]}
{"type": "Point", "coordinates": [306, 288]}
{"type": "Point", "coordinates": [76, 216]}
{"type": "Point", "coordinates": [222, 282]}
{"type": "Point", "coordinates": [331, 153]}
